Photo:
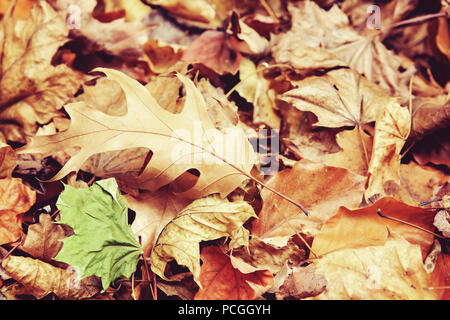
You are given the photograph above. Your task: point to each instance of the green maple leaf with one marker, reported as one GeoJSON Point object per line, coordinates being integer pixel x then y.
{"type": "Point", "coordinates": [103, 243]}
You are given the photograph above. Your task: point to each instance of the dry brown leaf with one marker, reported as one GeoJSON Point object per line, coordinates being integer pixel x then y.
{"type": "Point", "coordinates": [8, 160]}
{"type": "Point", "coordinates": [42, 278]}
{"type": "Point", "coordinates": [43, 239]}
{"type": "Point", "coordinates": [391, 271]}
{"type": "Point", "coordinates": [15, 199]}
{"type": "Point", "coordinates": [356, 151]}
{"type": "Point", "coordinates": [340, 98]}
{"type": "Point", "coordinates": [221, 281]}
{"type": "Point", "coordinates": [179, 142]}
{"type": "Point", "coordinates": [118, 37]}
{"type": "Point", "coordinates": [418, 183]}
{"type": "Point", "coordinates": [153, 212]}
{"type": "Point", "coordinates": [255, 89]}
{"type": "Point", "coordinates": [364, 227]}
{"type": "Point", "coordinates": [22, 9]}
{"type": "Point", "coordinates": [32, 89]}
{"type": "Point", "coordinates": [429, 115]}
{"type": "Point", "coordinates": [321, 189]}
{"type": "Point", "coordinates": [321, 39]}
{"type": "Point", "coordinates": [215, 50]}
{"type": "Point", "coordinates": [264, 256]}
{"type": "Point", "coordinates": [392, 128]}
{"type": "Point", "coordinates": [301, 283]}
{"type": "Point", "coordinates": [302, 138]}
{"type": "Point", "coordinates": [198, 10]}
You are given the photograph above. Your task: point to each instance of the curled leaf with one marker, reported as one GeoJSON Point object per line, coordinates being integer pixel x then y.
{"type": "Point", "coordinates": [204, 219]}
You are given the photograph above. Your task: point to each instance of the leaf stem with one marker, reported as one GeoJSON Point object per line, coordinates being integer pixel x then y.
{"type": "Point", "coordinates": [410, 224]}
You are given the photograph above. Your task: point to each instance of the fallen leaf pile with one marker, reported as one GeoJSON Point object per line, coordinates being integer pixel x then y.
{"type": "Point", "coordinates": [224, 150]}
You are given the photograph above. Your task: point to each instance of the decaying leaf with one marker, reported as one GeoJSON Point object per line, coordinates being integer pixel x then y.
{"type": "Point", "coordinates": [340, 98]}
{"type": "Point", "coordinates": [221, 281]}
{"type": "Point", "coordinates": [32, 89]}
{"type": "Point", "coordinates": [7, 160]}
{"type": "Point", "coordinates": [321, 39]}
{"type": "Point", "coordinates": [391, 131]}
{"type": "Point", "coordinates": [15, 199]}
{"type": "Point", "coordinates": [43, 239]}
{"type": "Point", "coordinates": [301, 283]}
{"type": "Point", "coordinates": [204, 219]}
{"type": "Point", "coordinates": [41, 278]}
{"type": "Point", "coordinates": [393, 271]}
{"type": "Point", "coordinates": [263, 256]}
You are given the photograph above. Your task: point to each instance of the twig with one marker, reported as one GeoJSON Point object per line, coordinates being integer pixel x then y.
{"type": "Point", "coordinates": [410, 224]}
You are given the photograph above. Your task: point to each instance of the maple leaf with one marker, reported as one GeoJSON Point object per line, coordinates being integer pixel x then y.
{"type": "Point", "coordinates": [179, 142]}
{"type": "Point", "coordinates": [221, 281]}
{"type": "Point", "coordinates": [204, 219]}
{"type": "Point", "coordinates": [320, 187]}
{"type": "Point", "coordinates": [15, 199]}
{"type": "Point", "coordinates": [392, 271]}
{"type": "Point", "coordinates": [32, 89]}
{"type": "Point", "coordinates": [356, 151]}
{"type": "Point", "coordinates": [339, 98]}
{"type": "Point", "coordinates": [255, 89]}
{"type": "Point", "coordinates": [103, 243]}
{"type": "Point", "coordinates": [321, 39]}
{"type": "Point", "coordinates": [364, 227]}
{"type": "Point", "coordinates": [391, 131]}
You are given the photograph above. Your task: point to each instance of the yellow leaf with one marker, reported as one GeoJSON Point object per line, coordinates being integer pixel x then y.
{"type": "Point", "coordinates": [391, 131]}
{"type": "Point", "coordinates": [42, 278]}
{"type": "Point", "coordinates": [204, 219]}
{"type": "Point", "coordinates": [393, 271]}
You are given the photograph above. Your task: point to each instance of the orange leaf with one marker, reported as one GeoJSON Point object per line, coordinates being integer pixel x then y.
{"type": "Point", "coordinates": [215, 50]}
{"type": "Point", "coordinates": [221, 281]}
{"type": "Point", "coordinates": [321, 189]}
{"type": "Point", "coordinates": [15, 199]}
{"type": "Point", "coordinates": [364, 227]}
{"type": "Point", "coordinates": [22, 9]}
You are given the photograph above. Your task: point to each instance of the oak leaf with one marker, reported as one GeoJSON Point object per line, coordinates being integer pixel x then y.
{"type": "Point", "coordinates": [15, 199]}
{"type": "Point", "coordinates": [204, 219]}
{"type": "Point", "coordinates": [221, 281]}
{"type": "Point", "coordinates": [179, 142]}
